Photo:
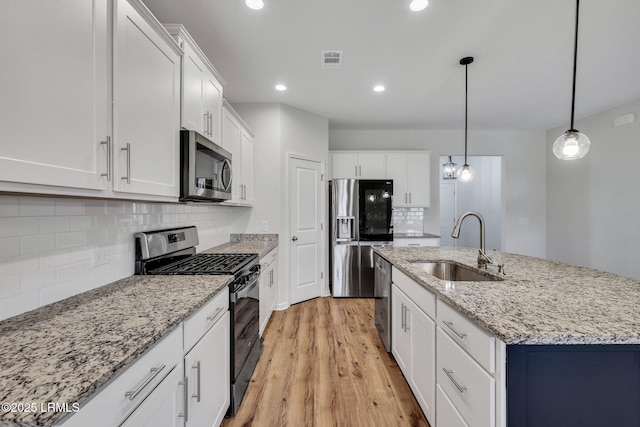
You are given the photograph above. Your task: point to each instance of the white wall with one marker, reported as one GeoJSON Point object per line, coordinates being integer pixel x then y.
{"type": "Point", "coordinates": [281, 131]}
{"type": "Point", "coordinates": [594, 203]}
{"type": "Point", "coordinates": [523, 152]}
{"type": "Point", "coordinates": [48, 245]}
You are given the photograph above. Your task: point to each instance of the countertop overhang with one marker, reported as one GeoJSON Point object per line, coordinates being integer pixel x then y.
{"type": "Point", "coordinates": [538, 302]}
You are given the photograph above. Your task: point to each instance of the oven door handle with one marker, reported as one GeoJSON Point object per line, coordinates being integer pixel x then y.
{"type": "Point", "coordinates": [244, 292]}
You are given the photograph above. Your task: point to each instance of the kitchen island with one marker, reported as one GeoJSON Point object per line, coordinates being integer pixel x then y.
{"type": "Point", "coordinates": [572, 334]}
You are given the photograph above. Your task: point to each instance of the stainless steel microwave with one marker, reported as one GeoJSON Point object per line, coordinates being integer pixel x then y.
{"type": "Point", "coordinates": [205, 174]}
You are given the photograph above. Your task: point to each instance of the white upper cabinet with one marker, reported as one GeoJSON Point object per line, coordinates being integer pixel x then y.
{"type": "Point", "coordinates": [353, 164]}
{"type": "Point", "coordinates": [410, 172]}
{"type": "Point", "coordinates": [201, 88]}
{"type": "Point", "coordinates": [55, 94]}
{"type": "Point", "coordinates": [146, 103]}
{"type": "Point", "coordinates": [237, 139]}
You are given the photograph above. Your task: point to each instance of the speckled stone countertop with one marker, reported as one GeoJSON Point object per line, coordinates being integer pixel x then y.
{"type": "Point", "coordinates": [65, 351]}
{"type": "Point", "coordinates": [415, 236]}
{"type": "Point", "coordinates": [260, 244]}
{"type": "Point", "coordinates": [539, 302]}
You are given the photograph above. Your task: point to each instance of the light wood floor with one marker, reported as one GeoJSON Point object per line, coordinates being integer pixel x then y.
{"type": "Point", "coordinates": [324, 365]}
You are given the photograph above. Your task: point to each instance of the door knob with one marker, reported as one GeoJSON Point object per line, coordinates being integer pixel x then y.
{"type": "Point", "coordinates": [294, 238]}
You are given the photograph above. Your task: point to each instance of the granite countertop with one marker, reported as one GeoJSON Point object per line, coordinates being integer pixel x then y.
{"type": "Point", "coordinates": [64, 352]}
{"type": "Point", "coordinates": [539, 302]}
{"type": "Point", "coordinates": [260, 244]}
{"type": "Point", "coordinates": [415, 236]}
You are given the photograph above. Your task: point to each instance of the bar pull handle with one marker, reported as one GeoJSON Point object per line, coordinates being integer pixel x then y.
{"type": "Point", "coordinates": [449, 373]}
{"type": "Point", "coordinates": [455, 331]}
{"type": "Point", "coordinates": [153, 372]}
{"type": "Point", "coordinates": [109, 154]}
{"type": "Point", "coordinates": [197, 368]}
{"type": "Point", "coordinates": [409, 198]}
{"type": "Point", "coordinates": [211, 124]}
{"type": "Point", "coordinates": [128, 150]}
{"type": "Point", "coordinates": [213, 316]}
{"type": "Point", "coordinates": [185, 414]}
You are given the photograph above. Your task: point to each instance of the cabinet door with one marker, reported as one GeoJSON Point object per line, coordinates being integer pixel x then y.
{"type": "Point", "coordinates": [212, 107]}
{"type": "Point", "coordinates": [247, 167]}
{"type": "Point", "coordinates": [164, 407]}
{"type": "Point", "coordinates": [371, 165]}
{"type": "Point", "coordinates": [54, 104]}
{"type": "Point", "coordinates": [193, 89]}
{"type": "Point", "coordinates": [400, 327]}
{"type": "Point", "coordinates": [418, 179]}
{"type": "Point", "coordinates": [207, 366]}
{"type": "Point", "coordinates": [146, 91]}
{"type": "Point", "coordinates": [232, 141]}
{"type": "Point", "coordinates": [423, 360]}
{"type": "Point", "coordinates": [344, 165]}
{"type": "Point", "coordinates": [397, 171]}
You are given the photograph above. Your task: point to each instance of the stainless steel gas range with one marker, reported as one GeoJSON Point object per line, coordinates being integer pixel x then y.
{"type": "Point", "coordinates": [172, 252]}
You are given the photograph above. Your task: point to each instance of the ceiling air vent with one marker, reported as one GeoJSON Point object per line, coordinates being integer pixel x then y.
{"type": "Point", "coordinates": [332, 59]}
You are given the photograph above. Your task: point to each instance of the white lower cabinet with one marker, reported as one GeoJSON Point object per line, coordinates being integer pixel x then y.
{"type": "Point", "coordinates": [448, 415]}
{"type": "Point", "coordinates": [268, 287]}
{"type": "Point", "coordinates": [413, 344]}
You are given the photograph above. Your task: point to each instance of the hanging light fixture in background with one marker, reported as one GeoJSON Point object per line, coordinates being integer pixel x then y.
{"type": "Point", "coordinates": [572, 144]}
{"type": "Point", "coordinates": [254, 4]}
{"type": "Point", "coordinates": [449, 170]}
{"type": "Point", "coordinates": [465, 174]}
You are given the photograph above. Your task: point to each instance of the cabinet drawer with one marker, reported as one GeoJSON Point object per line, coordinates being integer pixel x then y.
{"type": "Point", "coordinates": [447, 414]}
{"type": "Point", "coordinates": [196, 326]}
{"type": "Point", "coordinates": [424, 299]}
{"type": "Point", "coordinates": [118, 399]}
{"type": "Point", "coordinates": [478, 343]}
{"type": "Point", "coordinates": [469, 387]}
{"type": "Point", "coordinates": [432, 241]}
{"type": "Point", "coordinates": [268, 258]}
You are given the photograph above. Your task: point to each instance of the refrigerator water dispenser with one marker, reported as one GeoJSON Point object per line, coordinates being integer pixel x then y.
{"type": "Point", "coordinates": [345, 228]}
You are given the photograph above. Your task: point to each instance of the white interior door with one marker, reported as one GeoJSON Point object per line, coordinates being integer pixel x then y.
{"type": "Point", "coordinates": [306, 235]}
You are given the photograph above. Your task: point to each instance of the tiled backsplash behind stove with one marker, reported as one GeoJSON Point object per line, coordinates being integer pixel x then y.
{"type": "Point", "coordinates": [53, 248]}
{"type": "Point", "coordinates": [408, 220]}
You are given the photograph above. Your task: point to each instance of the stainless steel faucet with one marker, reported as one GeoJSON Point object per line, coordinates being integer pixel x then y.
{"type": "Point", "coordinates": [483, 258]}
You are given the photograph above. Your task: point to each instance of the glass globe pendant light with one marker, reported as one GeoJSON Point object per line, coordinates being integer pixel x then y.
{"type": "Point", "coordinates": [572, 144]}
{"type": "Point", "coordinates": [465, 173]}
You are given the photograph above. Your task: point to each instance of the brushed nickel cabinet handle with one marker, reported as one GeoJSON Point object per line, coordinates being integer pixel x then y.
{"type": "Point", "coordinates": [455, 331]}
{"type": "Point", "coordinates": [449, 373]}
{"type": "Point", "coordinates": [109, 154]}
{"type": "Point", "coordinates": [213, 316]}
{"type": "Point", "coordinates": [197, 368]}
{"type": "Point", "coordinates": [153, 372]}
{"type": "Point", "coordinates": [128, 150]}
{"type": "Point", "coordinates": [185, 395]}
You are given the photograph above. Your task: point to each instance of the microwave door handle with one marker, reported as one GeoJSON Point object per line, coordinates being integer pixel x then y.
{"type": "Point", "coordinates": [227, 163]}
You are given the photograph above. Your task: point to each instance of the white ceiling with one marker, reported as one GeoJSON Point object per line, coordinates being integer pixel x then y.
{"type": "Point", "coordinates": [521, 77]}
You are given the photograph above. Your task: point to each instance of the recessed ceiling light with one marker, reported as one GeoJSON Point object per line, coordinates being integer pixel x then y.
{"type": "Point", "coordinates": [418, 5]}
{"type": "Point", "coordinates": [256, 4]}
{"type": "Point", "coordinates": [281, 87]}
{"type": "Point", "coordinates": [378, 88]}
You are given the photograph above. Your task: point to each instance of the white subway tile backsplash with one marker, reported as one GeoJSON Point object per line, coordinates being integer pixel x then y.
{"type": "Point", "coordinates": [51, 294]}
{"type": "Point", "coordinates": [69, 272]}
{"type": "Point", "coordinates": [82, 223]}
{"type": "Point", "coordinates": [54, 259]}
{"type": "Point", "coordinates": [17, 266]}
{"type": "Point", "coordinates": [37, 206]}
{"type": "Point", "coordinates": [20, 303]}
{"type": "Point", "coordinates": [17, 226]}
{"type": "Point", "coordinates": [53, 224]}
{"type": "Point", "coordinates": [10, 286]}
{"type": "Point", "coordinates": [37, 244]}
{"type": "Point", "coordinates": [69, 207]}
{"type": "Point", "coordinates": [38, 280]}
{"type": "Point", "coordinates": [10, 206]}
{"type": "Point", "coordinates": [9, 247]}
{"type": "Point", "coordinates": [70, 239]}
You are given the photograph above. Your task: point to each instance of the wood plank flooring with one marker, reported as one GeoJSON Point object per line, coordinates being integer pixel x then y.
{"type": "Point", "coordinates": [324, 365]}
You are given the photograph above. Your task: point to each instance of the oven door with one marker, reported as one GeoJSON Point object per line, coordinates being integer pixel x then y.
{"type": "Point", "coordinates": [245, 321]}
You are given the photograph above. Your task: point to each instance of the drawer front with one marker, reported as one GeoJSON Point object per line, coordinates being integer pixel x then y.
{"type": "Point", "coordinates": [469, 387]}
{"type": "Point", "coordinates": [118, 399]}
{"type": "Point", "coordinates": [478, 343]}
{"type": "Point", "coordinates": [417, 242]}
{"type": "Point", "coordinates": [268, 258]}
{"type": "Point", "coordinates": [424, 299]}
{"type": "Point", "coordinates": [198, 324]}
{"type": "Point", "coordinates": [447, 414]}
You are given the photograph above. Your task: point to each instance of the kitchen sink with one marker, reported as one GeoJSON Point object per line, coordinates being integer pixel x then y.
{"type": "Point", "coordinates": [447, 270]}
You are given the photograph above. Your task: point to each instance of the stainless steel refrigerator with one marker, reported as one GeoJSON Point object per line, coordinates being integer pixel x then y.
{"type": "Point", "coordinates": [360, 217]}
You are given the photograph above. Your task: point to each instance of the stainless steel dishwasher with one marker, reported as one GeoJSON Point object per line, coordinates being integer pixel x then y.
{"type": "Point", "coordinates": [382, 295]}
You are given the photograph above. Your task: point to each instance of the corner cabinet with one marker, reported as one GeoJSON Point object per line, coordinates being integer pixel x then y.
{"type": "Point", "coordinates": [237, 139]}
{"type": "Point", "coordinates": [202, 87]}
{"type": "Point", "coordinates": [268, 287]}
{"type": "Point", "coordinates": [146, 103]}
{"type": "Point", "coordinates": [97, 114]}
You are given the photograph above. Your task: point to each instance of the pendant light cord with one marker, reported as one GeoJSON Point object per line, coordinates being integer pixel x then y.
{"type": "Point", "coordinates": [575, 61]}
{"type": "Point", "coordinates": [466, 101]}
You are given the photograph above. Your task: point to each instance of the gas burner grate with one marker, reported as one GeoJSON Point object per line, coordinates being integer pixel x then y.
{"type": "Point", "coordinates": [207, 264]}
